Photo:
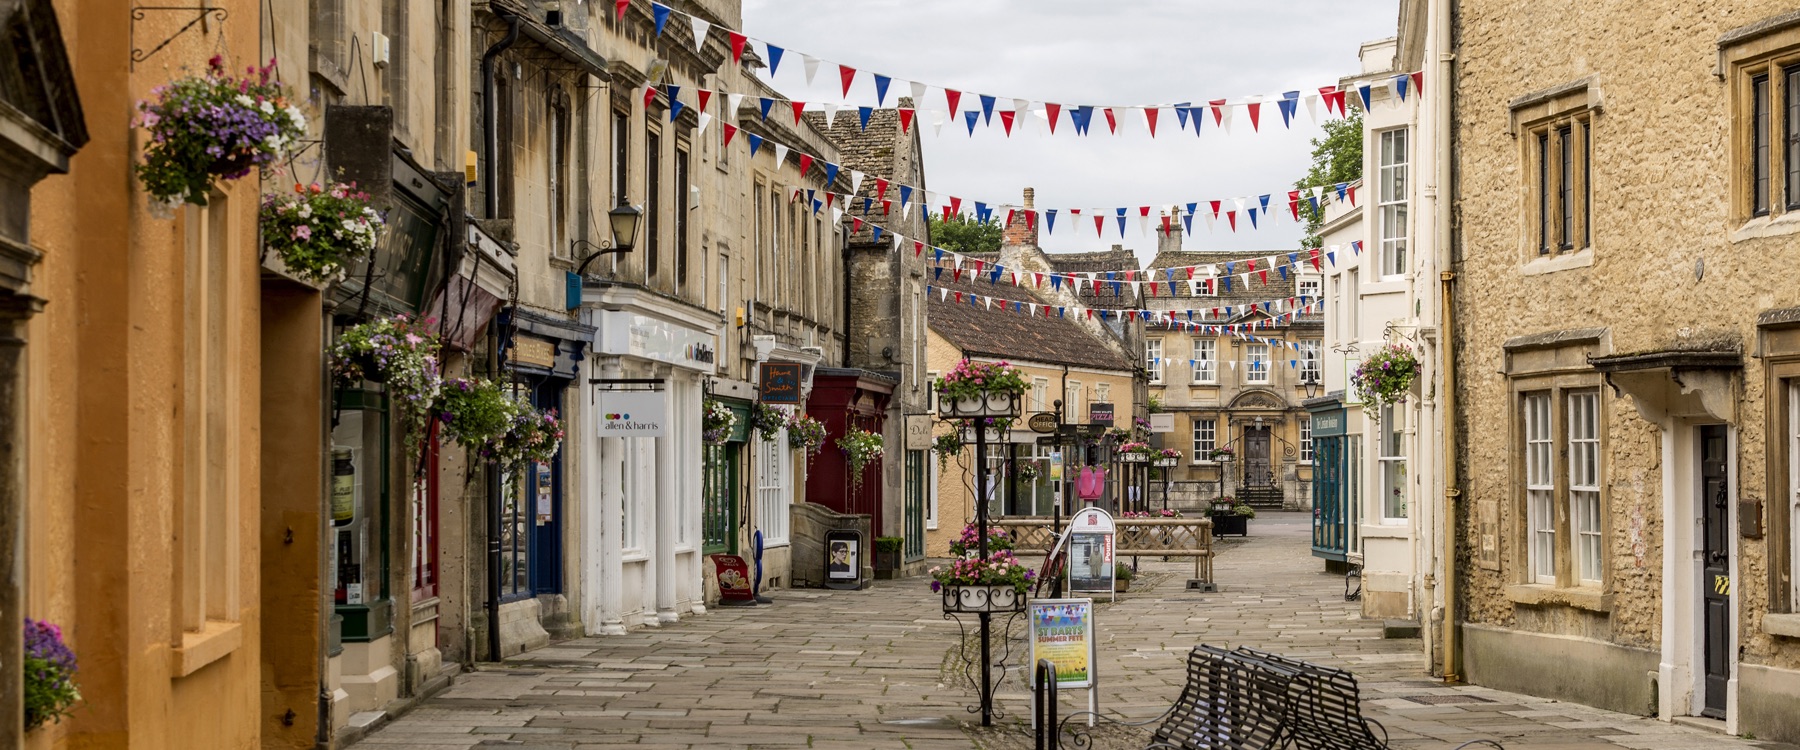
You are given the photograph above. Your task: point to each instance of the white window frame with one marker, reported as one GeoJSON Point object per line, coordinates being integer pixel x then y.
{"type": "Point", "coordinates": [1391, 458]}
{"type": "Point", "coordinates": [1207, 287]}
{"type": "Point", "coordinates": [1794, 494]}
{"type": "Point", "coordinates": [1306, 440]}
{"type": "Point", "coordinates": [1206, 439]}
{"type": "Point", "coordinates": [1310, 281]}
{"type": "Point", "coordinates": [1540, 486]}
{"type": "Point", "coordinates": [1391, 204]}
{"type": "Point", "coordinates": [1040, 394]}
{"type": "Point", "coordinates": [774, 488]}
{"type": "Point", "coordinates": [1103, 393]}
{"type": "Point", "coordinates": [1310, 365]}
{"type": "Point", "coordinates": [1256, 363]}
{"type": "Point", "coordinates": [931, 399]}
{"type": "Point", "coordinates": [1585, 516]}
{"type": "Point", "coordinates": [1153, 352]}
{"type": "Point", "coordinates": [1206, 361]}
{"type": "Point", "coordinates": [1074, 402]}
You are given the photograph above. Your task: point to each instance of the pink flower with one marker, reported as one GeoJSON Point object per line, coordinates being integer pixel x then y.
{"type": "Point", "coordinates": [303, 232]}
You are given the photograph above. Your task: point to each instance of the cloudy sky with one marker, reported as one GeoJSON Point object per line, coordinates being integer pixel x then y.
{"type": "Point", "coordinates": [1095, 52]}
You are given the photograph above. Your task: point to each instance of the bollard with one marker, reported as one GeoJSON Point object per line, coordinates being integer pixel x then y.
{"type": "Point", "coordinates": [1044, 706]}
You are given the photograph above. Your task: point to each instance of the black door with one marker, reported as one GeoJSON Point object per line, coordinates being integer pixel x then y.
{"type": "Point", "coordinates": [1716, 567]}
{"type": "Point", "coordinates": [1257, 472]}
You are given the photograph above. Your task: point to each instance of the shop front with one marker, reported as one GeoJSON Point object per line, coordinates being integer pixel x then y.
{"type": "Point", "coordinates": [641, 542]}
{"type": "Point", "coordinates": [1335, 492]}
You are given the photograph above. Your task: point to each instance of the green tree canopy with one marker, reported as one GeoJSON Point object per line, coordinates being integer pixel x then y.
{"type": "Point", "coordinates": [1336, 157]}
{"type": "Point", "coordinates": [965, 235]}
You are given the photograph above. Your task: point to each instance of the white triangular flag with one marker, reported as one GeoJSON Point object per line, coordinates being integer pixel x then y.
{"type": "Point", "coordinates": [1312, 107]}
{"type": "Point", "coordinates": [732, 103]}
{"type": "Point", "coordinates": [943, 294]}
{"type": "Point", "coordinates": [705, 119]}
{"type": "Point", "coordinates": [812, 67]}
{"type": "Point", "coordinates": [856, 179]}
{"type": "Point", "coordinates": [906, 211]}
{"type": "Point", "coordinates": [988, 302]}
{"type": "Point", "coordinates": [918, 98]}
{"type": "Point", "coordinates": [837, 216]}
{"type": "Point", "coordinates": [937, 123]}
{"type": "Point", "coordinates": [831, 111]}
{"type": "Point", "coordinates": [1021, 113]}
{"type": "Point", "coordinates": [1144, 223]}
{"type": "Point", "coordinates": [701, 26]}
{"type": "Point", "coordinates": [781, 153]}
{"type": "Point", "coordinates": [1240, 204]}
{"type": "Point", "coordinates": [1227, 110]}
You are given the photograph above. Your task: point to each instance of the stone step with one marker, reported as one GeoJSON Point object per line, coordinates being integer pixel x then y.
{"type": "Point", "coordinates": [1395, 629]}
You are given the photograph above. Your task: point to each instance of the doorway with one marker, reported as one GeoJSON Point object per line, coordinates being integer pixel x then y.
{"type": "Point", "coordinates": [1715, 590]}
{"type": "Point", "coordinates": [1257, 471]}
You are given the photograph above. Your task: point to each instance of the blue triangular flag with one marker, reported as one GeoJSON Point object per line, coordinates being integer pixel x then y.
{"type": "Point", "coordinates": [1252, 217]}
{"type": "Point", "coordinates": [905, 194]}
{"type": "Point", "coordinates": [1289, 104]}
{"type": "Point", "coordinates": [987, 109]}
{"type": "Point", "coordinates": [1187, 220]}
{"type": "Point", "coordinates": [1400, 82]}
{"type": "Point", "coordinates": [774, 58]}
{"type": "Point", "coordinates": [818, 206]}
{"type": "Point", "coordinates": [971, 116]}
{"type": "Point", "coordinates": [1049, 221]}
{"type": "Point", "coordinates": [1283, 270]}
{"type": "Point", "coordinates": [756, 142]}
{"type": "Point", "coordinates": [863, 113]}
{"type": "Point", "coordinates": [1181, 113]}
{"type": "Point", "coordinates": [881, 86]}
{"type": "Point", "coordinates": [937, 272]}
{"type": "Point", "coordinates": [982, 212]}
{"type": "Point", "coordinates": [1056, 282]}
{"type": "Point", "coordinates": [1341, 188]}
{"type": "Point", "coordinates": [1264, 199]}
{"type": "Point", "coordinates": [765, 103]}
{"type": "Point", "coordinates": [831, 171]}
{"type": "Point", "coordinates": [1121, 222]}
{"type": "Point", "coordinates": [877, 232]}
{"type": "Point", "coordinates": [1363, 91]}
{"type": "Point", "coordinates": [1059, 312]}
{"type": "Point", "coordinates": [661, 12]}
{"type": "Point", "coordinates": [675, 104]}
{"type": "Point", "coordinates": [1331, 257]}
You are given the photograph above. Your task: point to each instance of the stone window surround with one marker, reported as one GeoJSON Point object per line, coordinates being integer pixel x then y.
{"type": "Point", "coordinates": [1575, 104]}
{"type": "Point", "coordinates": [1766, 46]}
{"type": "Point", "coordinates": [1778, 345]}
{"type": "Point", "coordinates": [1554, 362]}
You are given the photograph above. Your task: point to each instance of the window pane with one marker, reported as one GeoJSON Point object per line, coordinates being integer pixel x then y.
{"type": "Point", "coordinates": [1584, 484]}
{"type": "Point", "coordinates": [1256, 363]}
{"type": "Point", "coordinates": [1153, 359]}
{"type": "Point", "coordinates": [1205, 438]}
{"type": "Point", "coordinates": [1540, 488]}
{"type": "Point", "coordinates": [1392, 199]}
{"type": "Point", "coordinates": [1759, 144]}
{"type": "Point", "coordinates": [1565, 187]}
{"type": "Point", "coordinates": [1587, 184]}
{"type": "Point", "coordinates": [1206, 360]}
{"type": "Point", "coordinates": [1392, 457]}
{"type": "Point", "coordinates": [1790, 131]}
{"type": "Point", "coordinates": [653, 211]}
{"type": "Point", "coordinates": [1543, 157]}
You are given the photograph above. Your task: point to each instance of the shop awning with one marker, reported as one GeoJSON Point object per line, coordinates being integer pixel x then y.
{"type": "Point", "coordinates": [1697, 383]}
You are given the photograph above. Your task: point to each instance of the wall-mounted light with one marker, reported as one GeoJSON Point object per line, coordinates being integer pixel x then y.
{"type": "Point", "coordinates": [624, 220]}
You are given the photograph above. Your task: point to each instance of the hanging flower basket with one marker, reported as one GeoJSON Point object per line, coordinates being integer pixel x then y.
{"type": "Point", "coordinates": [1387, 376]}
{"type": "Point", "coordinates": [1027, 471]}
{"type": "Point", "coordinates": [49, 666]}
{"type": "Point", "coordinates": [401, 353]}
{"type": "Point", "coordinates": [768, 421]}
{"type": "Point", "coordinates": [717, 422]}
{"type": "Point", "coordinates": [534, 437]}
{"type": "Point", "coordinates": [318, 232]}
{"type": "Point", "coordinates": [807, 434]}
{"type": "Point", "coordinates": [970, 541]}
{"type": "Point", "coordinates": [947, 445]}
{"type": "Point", "coordinates": [212, 127]}
{"type": "Point", "coordinates": [1219, 454]}
{"type": "Point", "coordinates": [1167, 457]}
{"type": "Point", "coordinates": [476, 413]}
{"type": "Point", "coordinates": [860, 447]}
{"type": "Point", "coordinates": [981, 389]}
{"type": "Point", "coordinates": [1135, 453]}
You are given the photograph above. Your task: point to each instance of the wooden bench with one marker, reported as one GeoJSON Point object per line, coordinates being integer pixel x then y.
{"type": "Point", "coordinates": [1252, 700]}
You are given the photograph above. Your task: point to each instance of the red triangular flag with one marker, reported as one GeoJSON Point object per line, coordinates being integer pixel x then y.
{"type": "Point", "coordinates": [737, 46]}
{"type": "Point", "coordinates": [918, 247]}
{"type": "Point", "coordinates": [805, 164]}
{"type": "Point", "coordinates": [1255, 109]}
{"type": "Point", "coordinates": [1215, 208]}
{"type": "Point", "coordinates": [1165, 219]}
{"type": "Point", "coordinates": [887, 208]}
{"type": "Point", "coordinates": [847, 74]}
{"type": "Point", "coordinates": [1031, 220]}
{"type": "Point", "coordinates": [1232, 217]}
{"type": "Point", "coordinates": [1264, 275]}
{"type": "Point", "coordinates": [1055, 111]}
{"type": "Point", "coordinates": [955, 205]}
{"type": "Point", "coordinates": [1099, 226]}
{"type": "Point", "coordinates": [1315, 260]}
{"type": "Point", "coordinates": [856, 226]}
{"type": "Point", "coordinates": [730, 130]}
{"type": "Point", "coordinates": [959, 294]}
{"type": "Point", "coordinates": [946, 213]}
{"type": "Point", "coordinates": [880, 189]}
{"type": "Point", "coordinates": [952, 96]}
{"type": "Point", "coordinates": [1009, 217]}
{"type": "Point", "coordinates": [1294, 203]}
{"type": "Point", "coordinates": [1150, 117]}
{"type": "Point", "coordinates": [906, 117]}
{"type": "Point", "coordinates": [829, 198]}
{"type": "Point", "coordinates": [705, 96]}
{"type": "Point", "coordinates": [621, 5]}
{"type": "Point", "coordinates": [1353, 195]}
{"type": "Point", "coordinates": [1418, 82]}
{"type": "Point", "coordinates": [1112, 122]}
{"type": "Point", "coordinates": [649, 96]}
{"type": "Point", "coordinates": [1006, 119]}
{"type": "Point", "coordinates": [1328, 95]}
{"type": "Point", "coordinates": [1038, 280]}
{"type": "Point", "coordinates": [1218, 108]}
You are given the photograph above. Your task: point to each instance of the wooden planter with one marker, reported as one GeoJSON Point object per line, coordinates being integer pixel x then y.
{"type": "Point", "coordinates": [1002, 598]}
{"type": "Point", "coordinates": [1121, 585]}
{"type": "Point", "coordinates": [1230, 523]}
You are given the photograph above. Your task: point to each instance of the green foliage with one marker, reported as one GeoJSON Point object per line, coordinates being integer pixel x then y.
{"type": "Point", "coordinates": [1154, 404]}
{"type": "Point", "coordinates": [1386, 376]}
{"type": "Point", "coordinates": [1337, 157]}
{"type": "Point", "coordinates": [889, 544]}
{"type": "Point", "coordinates": [965, 235]}
{"type": "Point", "coordinates": [1123, 572]}
{"type": "Point", "coordinates": [476, 412]}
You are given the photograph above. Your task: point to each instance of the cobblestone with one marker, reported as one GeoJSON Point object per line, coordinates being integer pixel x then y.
{"type": "Point", "coordinates": [865, 670]}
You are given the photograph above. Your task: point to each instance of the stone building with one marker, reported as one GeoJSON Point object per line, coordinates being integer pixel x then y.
{"type": "Point", "coordinates": [1625, 376]}
{"type": "Point", "coordinates": [1228, 393]}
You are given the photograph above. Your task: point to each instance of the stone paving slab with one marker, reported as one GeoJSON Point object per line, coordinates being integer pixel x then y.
{"type": "Point", "coordinates": [866, 670]}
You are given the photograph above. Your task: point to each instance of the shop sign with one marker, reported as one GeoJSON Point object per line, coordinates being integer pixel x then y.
{"type": "Point", "coordinates": [1062, 630]}
{"type": "Point", "coordinates": [1162, 423]}
{"type": "Point", "coordinates": [734, 578]}
{"type": "Point", "coordinates": [1328, 423]}
{"type": "Point", "coordinates": [779, 382]}
{"type": "Point", "coordinates": [530, 350]}
{"type": "Point", "coordinates": [544, 503]}
{"type": "Point", "coordinates": [1100, 414]}
{"type": "Point", "coordinates": [1042, 422]}
{"type": "Point", "coordinates": [645, 337]}
{"type": "Point", "coordinates": [632, 413]}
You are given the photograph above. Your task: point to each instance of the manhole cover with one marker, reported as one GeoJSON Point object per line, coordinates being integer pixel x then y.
{"type": "Point", "coordinates": [1439, 700]}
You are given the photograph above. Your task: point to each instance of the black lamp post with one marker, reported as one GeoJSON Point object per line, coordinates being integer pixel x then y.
{"type": "Point", "coordinates": [624, 220]}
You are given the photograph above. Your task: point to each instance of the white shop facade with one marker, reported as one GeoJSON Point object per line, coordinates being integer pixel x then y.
{"type": "Point", "coordinates": [640, 551]}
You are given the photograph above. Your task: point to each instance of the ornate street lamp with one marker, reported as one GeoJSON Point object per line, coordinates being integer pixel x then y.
{"type": "Point", "coordinates": [624, 220]}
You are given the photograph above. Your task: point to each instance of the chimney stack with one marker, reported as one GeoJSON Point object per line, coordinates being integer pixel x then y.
{"type": "Point", "coordinates": [1022, 230]}
{"type": "Point", "coordinates": [1170, 241]}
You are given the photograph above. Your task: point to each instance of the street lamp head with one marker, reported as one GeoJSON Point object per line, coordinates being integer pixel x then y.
{"type": "Point", "coordinates": [624, 220]}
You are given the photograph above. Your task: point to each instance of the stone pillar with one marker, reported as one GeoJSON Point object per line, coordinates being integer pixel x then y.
{"type": "Point", "coordinates": [668, 451]}
{"type": "Point", "coordinates": [15, 310]}
{"type": "Point", "coordinates": [603, 496]}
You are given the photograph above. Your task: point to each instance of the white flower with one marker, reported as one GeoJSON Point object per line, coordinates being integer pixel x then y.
{"type": "Point", "coordinates": [305, 210]}
{"type": "Point", "coordinates": [274, 143]}
{"type": "Point", "coordinates": [299, 119]}
{"type": "Point", "coordinates": [245, 100]}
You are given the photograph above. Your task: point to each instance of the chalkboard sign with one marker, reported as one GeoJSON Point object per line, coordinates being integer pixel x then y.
{"type": "Point", "coordinates": [779, 382]}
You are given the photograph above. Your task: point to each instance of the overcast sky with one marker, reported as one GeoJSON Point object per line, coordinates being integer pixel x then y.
{"type": "Point", "coordinates": [1091, 52]}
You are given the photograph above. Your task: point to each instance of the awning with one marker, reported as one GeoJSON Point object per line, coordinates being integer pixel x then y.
{"type": "Point", "coordinates": [559, 40]}
{"type": "Point", "coordinates": [1700, 383]}
{"type": "Point", "coordinates": [483, 281]}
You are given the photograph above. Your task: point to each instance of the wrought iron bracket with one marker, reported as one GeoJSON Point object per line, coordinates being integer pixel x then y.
{"type": "Point", "coordinates": [138, 13]}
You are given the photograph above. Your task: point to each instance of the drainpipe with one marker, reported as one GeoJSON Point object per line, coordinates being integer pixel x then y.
{"type": "Point", "coordinates": [1439, 24]}
{"type": "Point", "coordinates": [491, 209]}
{"type": "Point", "coordinates": [846, 253]}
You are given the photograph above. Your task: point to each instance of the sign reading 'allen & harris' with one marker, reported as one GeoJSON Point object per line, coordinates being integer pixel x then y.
{"type": "Point", "coordinates": [632, 413]}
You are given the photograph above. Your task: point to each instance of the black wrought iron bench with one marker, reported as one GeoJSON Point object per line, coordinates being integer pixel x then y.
{"type": "Point", "coordinates": [1254, 700]}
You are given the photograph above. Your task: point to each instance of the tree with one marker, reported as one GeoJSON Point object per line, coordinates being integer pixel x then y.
{"type": "Point", "coordinates": [965, 235]}
{"type": "Point", "coordinates": [1337, 157]}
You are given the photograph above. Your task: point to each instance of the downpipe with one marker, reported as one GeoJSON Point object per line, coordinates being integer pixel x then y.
{"type": "Point", "coordinates": [491, 209]}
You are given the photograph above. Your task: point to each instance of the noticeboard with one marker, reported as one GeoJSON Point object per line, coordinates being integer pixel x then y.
{"type": "Point", "coordinates": [1062, 630]}
{"type": "Point", "coordinates": [843, 559]}
{"type": "Point", "coordinates": [1091, 551]}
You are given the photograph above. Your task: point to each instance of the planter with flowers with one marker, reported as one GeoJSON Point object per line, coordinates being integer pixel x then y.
{"type": "Point", "coordinates": [1231, 517]}
{"type": "Point", "coordinates": [970, 584]}
{"type": "Point", "coordinates": [1387, 376]}
{"type": "Point", "coordinates": [861, 448]}
{"type": "Point", "coordinates": [947, 445]}
{"type": "Point", "coordinates": [534, 436]}
{"type": "Point", "coordinates": [475, 413]}
{"type": "Point", "coordinates": [49, 665]}
{"type": "Point", "coordinates": [981, 389]}
{"type": "Point", "coordinates": [318, 232]}
{"type": "Point", "coordinates": [970, 541]}
{"type": "Point", "coordinates": [807, 434]}
{"type": "Point", "coordinates": [716, 422]}
{"type": "Point", "coordinates": [1134, 453]}
{"type": "Point", "coordinates": [401, 353]}
{"type": "Point", "coordinates": [1219, 454]}
{"type": "Point", "coordinates": [1166, 457]}
{"type": "Point", "coordinates": [768, 421]}
{"type": "Point", "coordinates": [212, 127]}
{"type": "Point", "coordinates": [1027, 471]}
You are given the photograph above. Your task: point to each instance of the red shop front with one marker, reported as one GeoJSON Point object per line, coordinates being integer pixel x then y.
{"type": "Point", "coordinates": [845, 400]}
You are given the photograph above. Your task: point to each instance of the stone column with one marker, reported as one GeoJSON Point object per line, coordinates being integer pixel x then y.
{"type": "Point", "coordinates": [603, 497]}
{"type": "Point", "coordinates": [15, 310]}
{"type": "Point", "coordinates": [668, 453]}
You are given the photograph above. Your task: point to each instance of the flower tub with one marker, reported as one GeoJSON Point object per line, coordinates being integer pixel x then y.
{"type": "Point", "coordinates": [974, 390]}
{"type": "Point", "coordinates": [1000, 598]}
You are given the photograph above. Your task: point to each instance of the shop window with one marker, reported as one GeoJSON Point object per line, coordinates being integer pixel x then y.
{"type": "Point", "coordinates": [359, 493]}
{"type": "Point", "coordinates": [718, 512]}
{"type": "Point", "coordinates": [207, 529]}
{"type": "Point", "coordinates": [424, 518]}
